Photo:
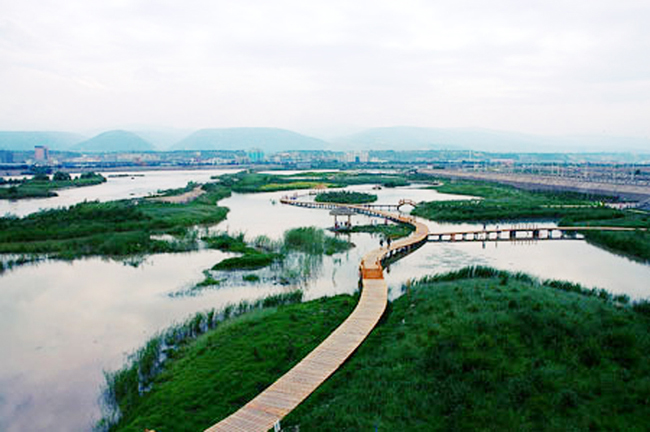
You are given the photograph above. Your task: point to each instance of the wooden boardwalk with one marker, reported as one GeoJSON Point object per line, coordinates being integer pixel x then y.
{"type": "Point", "coordinates": [269, 407]}
{"type": "Point", "coordinates": [525, 233]}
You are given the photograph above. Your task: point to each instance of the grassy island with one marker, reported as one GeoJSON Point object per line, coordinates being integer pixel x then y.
{"type": "Point", "coordinates": [115, 228]}
{"type": "Point", "coordinates": [346, 197]}
{"type": "Point", "coordinates": [506, 203]}
{"type": "Point", "coordinates": [309, 242]}
{"type": "Point", "coordinates": [250, 181]}
{"type": "Point", "coordinates": [41, 186]}
{"type": "Point", "coordinates": [392, 231]}
{"type": "Point", "coordinates": [477, 349]}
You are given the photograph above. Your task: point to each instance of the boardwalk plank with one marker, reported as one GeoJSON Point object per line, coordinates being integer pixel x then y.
{"type": "Point", "coordinates": [281, 397]}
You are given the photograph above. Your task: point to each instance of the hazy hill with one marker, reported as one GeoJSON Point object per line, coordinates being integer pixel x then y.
{"type": "Point", "coordinates": [25, 141]}
{"type": "Point", "coordinates": [160, 137]}
{"type": "Point", "coordinates": [114, 141]}
{"type": "Point", "coordinates": [417, 138]}
{"type": "Point", "coordinates": [270, 140]}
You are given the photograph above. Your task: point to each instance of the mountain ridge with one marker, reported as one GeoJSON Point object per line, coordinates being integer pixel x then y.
{"type": "Point", "coordinates": [27, 140]}
{"type": "Point", "coordinates": [269, 140]}
{"type": "Point", "coordinates": [273, 140]}
{"type": "Point", "coordinates": [423, 138]}
{"type": "Point", "coordinates": [114, 141]}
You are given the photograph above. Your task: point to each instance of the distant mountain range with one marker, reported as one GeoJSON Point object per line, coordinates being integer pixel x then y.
{"type": "Point", "coordinates": [113, 141]}
{"type": "Point", "coordinates": [417, 138]}
{"type": "Point", "coordinates": [273, 140]}
{"type": "Point", "coordinates": [270, 140]}
{"type": "Point", "coordinates": [25, 141]}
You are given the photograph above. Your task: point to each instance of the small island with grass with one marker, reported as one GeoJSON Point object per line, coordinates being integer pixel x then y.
{"type": "Point", "coordinates": [346, 197]}
{"type": "Point", "coordinates": [114, 229]}
{"type": "Point", "coordinates": [504, 203]}
{"type": "Point", "coordinates": [391, 231]}
{"type": "Point", "coordinates": [42, 186]}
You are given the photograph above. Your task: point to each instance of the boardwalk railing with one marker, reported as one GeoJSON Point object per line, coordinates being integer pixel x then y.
{"type": "Point", "coordinates": [267, 409]}
{"type": "Point", "coordinates": [517, 233]}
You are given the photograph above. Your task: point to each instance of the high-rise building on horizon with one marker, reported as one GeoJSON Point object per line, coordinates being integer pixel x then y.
{"type": "Point", "coordinates": [41, 153]}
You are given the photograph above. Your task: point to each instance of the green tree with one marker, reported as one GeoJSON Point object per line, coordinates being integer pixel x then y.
{"type": "Point", "coordinates": [61, 176]}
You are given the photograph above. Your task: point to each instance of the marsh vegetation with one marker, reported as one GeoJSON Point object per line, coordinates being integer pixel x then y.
{"type": "Point", "coordinates": [249, 181]}
{"type": "Point", "coordinates": [128, 387]}
{"type": "Point", "coordinates": [476, 349]}
{"type": "Point", "coordinates": [387, 230]}
{"type": "Point", "coordinates": [42, 186]}
{"type": "Point", "coordinates": [506, 203]}
{"type": "Point", "coordinates": [346, 197]}
{"type": "Point", "coordinates": [115, 228]}
{"type": "Point", "coordinates": [296, 256]}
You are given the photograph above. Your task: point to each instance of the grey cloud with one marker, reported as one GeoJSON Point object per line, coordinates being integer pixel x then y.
{"type": "Point", "coordinates": [284, 63]}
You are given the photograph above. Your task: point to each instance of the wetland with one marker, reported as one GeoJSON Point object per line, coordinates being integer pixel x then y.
{"type": "Point", "coordinates": [88, 314]}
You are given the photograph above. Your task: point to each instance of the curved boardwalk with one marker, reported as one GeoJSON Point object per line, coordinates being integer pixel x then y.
{"type": "Point", "coordinates": [270, 406]}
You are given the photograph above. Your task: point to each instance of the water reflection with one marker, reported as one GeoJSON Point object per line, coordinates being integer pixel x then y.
{"type": "Point", "coordinates": [571, 260]}
{"type": "Point", "coordinates": [63, 325]}
{"type": "Point", "coordinates": [119, 185]}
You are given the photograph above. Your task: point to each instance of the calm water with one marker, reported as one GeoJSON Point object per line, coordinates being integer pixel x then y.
{"type": "Point", "coordinates": [62, 324]}
{"type": "Point", "coordinates": [119, 185]}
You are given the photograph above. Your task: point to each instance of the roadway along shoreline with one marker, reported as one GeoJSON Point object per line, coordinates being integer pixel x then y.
{"type": "Point", "coordinates": [626, 191]}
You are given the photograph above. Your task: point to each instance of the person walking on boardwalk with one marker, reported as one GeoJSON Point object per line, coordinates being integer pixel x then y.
{"type": "Point", "coordinates": [381, 243]}
{"type": "Point", "coordinates": [388, 242]}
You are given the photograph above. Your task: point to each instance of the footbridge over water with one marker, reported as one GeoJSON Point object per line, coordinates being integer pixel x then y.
{"type": "Point", "coordinates": [267, 409]}
{"type": "Point", "coordinates": [295, 200]}
{"type": "Point", "coordinates": [521, 234]}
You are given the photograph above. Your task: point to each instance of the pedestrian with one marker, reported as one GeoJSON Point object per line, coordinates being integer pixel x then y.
{"type": "Point", "coordinates": [381, 243]}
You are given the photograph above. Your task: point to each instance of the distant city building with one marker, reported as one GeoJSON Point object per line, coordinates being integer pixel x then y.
{"type": "Point", "coordinates": [41, 153]}
{"type": "Point", "coordinates": [6, 156]}
{"type": "Point", "coordinates": [356, 157]}
{"type": "Point", "coordinates": [256, 155]}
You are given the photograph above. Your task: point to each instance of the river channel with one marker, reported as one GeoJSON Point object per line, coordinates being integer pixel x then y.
{"type": "Point", "coordinates": [63, 323]}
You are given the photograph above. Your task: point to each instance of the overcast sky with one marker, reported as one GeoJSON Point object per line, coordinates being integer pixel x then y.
{"type": "Point", "coordinates": [549, 67]}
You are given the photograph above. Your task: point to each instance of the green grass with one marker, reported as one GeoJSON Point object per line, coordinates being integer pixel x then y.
{"type": "Point", "coordinates": [228, 243]}
{"type": "Point", "coordinates": [249, 181]}
{"type": "Point", "coordinates": [249, 261]}
{"type": "Point", "coordinates": [392, 231]}
{"type": "Point", "coordinates": [251, 278]}
{"type": "Point", "coordinates": [272, 187]}
{"type": "Point", "coordinates": [506, 203]}
{"type": "Point", "coordinates": [116, 228]}
{"type": "Point", "coordinates": [478, 349]}
{"type": "Point", "coordinates": [492, 352]}
{"type": "Point", "coordinates": [263, 252]}
{"type": "Point", "coordinates": [349, 178]}
{"type": "Point", "coordinates": [208, 376]}
{"type": "Point", "coordinates": [346, 197]}
{"type": "Point", "coordinates": [208, 281]}
{"type": "Point", "coordinates": [41, 186]}
{"type": "Point", "coordinates": [634, 244]}
{"type": "Point", "coordinates": [313, 240]}
{"type": "Point", "coordinates": [9, 263]}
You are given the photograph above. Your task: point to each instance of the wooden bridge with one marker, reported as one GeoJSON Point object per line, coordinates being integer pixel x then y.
{"type": "Point", "coordinates": [521, 234]}
{"type": "Point", "coordinates": [400, 204]}
{"type": "Point", "coordinates": [369, 209]}
{"type": "Point", "coordinates": [267, 409]}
